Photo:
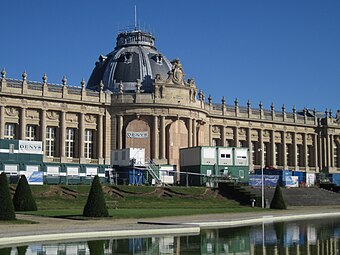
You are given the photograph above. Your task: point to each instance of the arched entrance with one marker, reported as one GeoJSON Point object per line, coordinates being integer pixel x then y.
{"type": "Point", "coordinates": [138, 136]}
{"type": "Point", "coordinates": [177, 138]}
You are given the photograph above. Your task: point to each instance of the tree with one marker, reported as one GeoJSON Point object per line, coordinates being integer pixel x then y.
{"type": "Point", "coordinates": [6, 204]}
{"type": "Point", "coordinates": [278, 201]}
{"type": "Point", "coordinates": [95, 205]}
{"type": "Point", "coordinates": [23, 199]}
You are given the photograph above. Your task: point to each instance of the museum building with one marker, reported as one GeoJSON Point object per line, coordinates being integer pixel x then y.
{"type": "Point", "coordinates": [137, 98]}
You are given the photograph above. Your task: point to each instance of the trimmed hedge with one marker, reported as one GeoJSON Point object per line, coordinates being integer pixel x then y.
{"type": "Point", "coordinates": [6, 204]}
{"type": "Point", "coordinates": [278, 202]}
{"type": "Point", "coordinates": [23, 199]}
{"type": "Point", "coordinates": [95, 205]}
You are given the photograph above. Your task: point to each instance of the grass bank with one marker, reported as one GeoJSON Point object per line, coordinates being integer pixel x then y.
{"type": "Point", "coordinates": [134, 201]}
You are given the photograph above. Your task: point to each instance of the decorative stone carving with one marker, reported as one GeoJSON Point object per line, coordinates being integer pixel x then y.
{"type": "Point", "coordinates": [193, 93]}
{"type": "Point", "coordinates": [242, 131]}
{"type": "Point", "coordinates": [215, 129]}
{"type": "Point", "coordinates": [90, 118]}
{"type": "Point", "coordinates": [309, 138]}
{"type": "Point", "coordinates": [337, 117]}
{"type": "Point", "coordinates": [11, 111]}
{"type": "Point", "coordinates": [72, 117]}
{"type": "Point", "coordinates": [288, 136]}
{"type": "Point", "coordinates": [3, 100]}
{"type": "Point", "coordinates": [32, 114]}
{"type": "Point", "coordinates": [266, 133]}
{"type": "Point", "coordinates": [277, 135]}
{"type": "Point", "coordinates": [176, 75]}
{"type": "Point", "coordinates": [52, 115]}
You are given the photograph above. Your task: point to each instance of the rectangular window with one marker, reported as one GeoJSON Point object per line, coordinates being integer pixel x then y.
{"type": "Point", "coordinates": [9, 131]}
{"type": "Point", "coordinates": [70, 142]}
{"type": "Point", "coordinates": [88, 144]}
{"type": "Point", "coordinates": [31, 133]}
{"type": "Point", "coordinates": [50, 141]}
{"type": "Point", "coordinates": [277, 154]}
{"type": "Point", "coordinates": [254, 152]}
{"type": "Point", "coordinates": [335, 153]}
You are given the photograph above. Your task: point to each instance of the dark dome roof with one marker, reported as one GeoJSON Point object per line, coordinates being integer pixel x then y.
{"type": "Point", "coordinates": [134, 58]}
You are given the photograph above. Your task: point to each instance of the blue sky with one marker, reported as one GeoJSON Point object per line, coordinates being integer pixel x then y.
{"type": "Point", "coordinates": [280, 51]}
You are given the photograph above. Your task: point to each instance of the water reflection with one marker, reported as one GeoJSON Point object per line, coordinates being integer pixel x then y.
{"type": "Point", "coordinates": [304, 237]}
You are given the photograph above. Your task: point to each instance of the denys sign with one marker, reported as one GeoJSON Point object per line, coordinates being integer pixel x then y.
{"type": "Point", "coordinates": [30, 147]}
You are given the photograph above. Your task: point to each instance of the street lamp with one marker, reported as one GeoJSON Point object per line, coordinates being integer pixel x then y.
{"type": "Point", "coordinates": [262, 179]}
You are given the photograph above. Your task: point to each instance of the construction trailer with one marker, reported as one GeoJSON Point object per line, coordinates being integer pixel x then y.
{"type": "Point", "coordinates": [128, 157]}
{"type": "Point", "coordinates": [20, 157]}
{"type": "Point", "coordinates": [202, 164]}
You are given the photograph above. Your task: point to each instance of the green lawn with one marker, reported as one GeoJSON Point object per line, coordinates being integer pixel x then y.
{"type": "Point", "coordinates": [133, 201]}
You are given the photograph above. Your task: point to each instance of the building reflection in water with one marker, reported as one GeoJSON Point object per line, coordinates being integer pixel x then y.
{"type": "Point", "coordinates": [319, 237]}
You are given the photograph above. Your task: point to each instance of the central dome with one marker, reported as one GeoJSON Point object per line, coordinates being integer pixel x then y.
{"type": "Point", "coordinates": [134, 58]}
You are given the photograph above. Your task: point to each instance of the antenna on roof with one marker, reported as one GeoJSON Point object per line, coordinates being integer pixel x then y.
{"type": "Point", "coordinates": [135, 17]}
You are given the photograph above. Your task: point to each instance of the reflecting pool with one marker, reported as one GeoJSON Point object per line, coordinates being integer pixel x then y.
{"type": "Point", "coordinates": [320, 236]}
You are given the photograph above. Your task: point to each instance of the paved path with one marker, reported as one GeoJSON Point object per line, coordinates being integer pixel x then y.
{"type": "Point", "coordinates": [57, 229]}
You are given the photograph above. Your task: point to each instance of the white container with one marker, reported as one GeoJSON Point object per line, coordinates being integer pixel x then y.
{"type": "Point", "coordinates": [128, 157]}
{"type": "Point", "coordinates": [195, 156]}
{"type": "Point", "coordinates": [225, 156]}
{"type": "Point", "coordinates": [241, 156]}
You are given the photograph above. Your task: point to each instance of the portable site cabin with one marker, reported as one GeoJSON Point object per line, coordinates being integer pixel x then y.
{"type": "Point", "coordinates": [128, 157]}
{"type": "Point", "coordinates": [198, 165]}
{"type": "Point", "coordinates": [20, 157]}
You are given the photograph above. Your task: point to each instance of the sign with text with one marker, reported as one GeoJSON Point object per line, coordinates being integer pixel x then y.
{"type": "Point", "coordinates": [137, 134]}
{"type": "Point", "coordinates": [30, 147]}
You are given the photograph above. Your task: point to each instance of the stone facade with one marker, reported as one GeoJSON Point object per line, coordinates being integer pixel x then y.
{"type": "Point", "coordinates": [80, 125]}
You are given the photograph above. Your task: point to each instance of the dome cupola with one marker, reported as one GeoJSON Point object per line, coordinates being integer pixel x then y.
{"type": "Point", "coordinates": [134, 58]}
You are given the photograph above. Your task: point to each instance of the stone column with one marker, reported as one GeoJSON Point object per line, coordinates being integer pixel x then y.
{"type": "Point", "coordinates": [155, 138]}
{"type": "Point", "coordinates": [331, 145]}
{"type": "Point", "coordinates": [328, 152]}
{"type": "Point", "coordinates": [163, 141]}
{"type": "Point", "coordinates": [316, 150]}
{"type": "Point", "coordinates": [284, 150]}
{"type": "Point", "coordinates": [2, 121]}
{"type": "Point", "coordinates": [194, 132]}
{"type": "Point", "coordinates": [107, 136]}
{"type": "Point", "coordinates": [305, 150]}
{"type": "Point", "coordinates": [273, 148]}
{"type": "Point", "coordinates": [100, 139]}
{"type": "Point", "coordinates": [189, 124]}
{"type": "Point", "coordinates": [236, 137]}
{"type": "Point", "coordinates": [62, 134]}
{"type": "Point", "coordinates": [23, 124]}
{"type": "Point", "coordinates": [295, 152]}
{"type": "Point", "coordinates": [210, 135]}
{"type": "Point", "coordinates": [81, 146]}
{"type": "Point", "coordinates": [223, 135]}
{"type": "Point", "coordinates": [261, 147]}
{"type": "Point", "coordinates": [43, 127]}
{"type": "Point", "coordinates": [250, 146]}
{"type": "Point", "coordinates": [320, 151]}
{"type": "Point", "coordinates": [120, 131]}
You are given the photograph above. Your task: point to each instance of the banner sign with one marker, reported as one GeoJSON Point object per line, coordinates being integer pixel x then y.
{"type": "Point", "coordinates": [138, 134]}
{"type": "Point", "coordinates": [255, 180]}
{"type": "Point", "coordinates": [36, 178]}
{"type": "Point", "coordinates": [30, 147]}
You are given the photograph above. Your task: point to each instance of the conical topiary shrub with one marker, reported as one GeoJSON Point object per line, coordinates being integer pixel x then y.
{"type": "Point", "coordinates": [278, 201]}
{"type": "Point", "coordinates": [22, 250]}
{"type": "Point", "coordinates": [96, 247]}
{"type": "Point", "coordinates": [95, 205]}
{"type": "Point", "coordinates": [6, 204]}
{"type": "Point", "coordinates": [23, 199]}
